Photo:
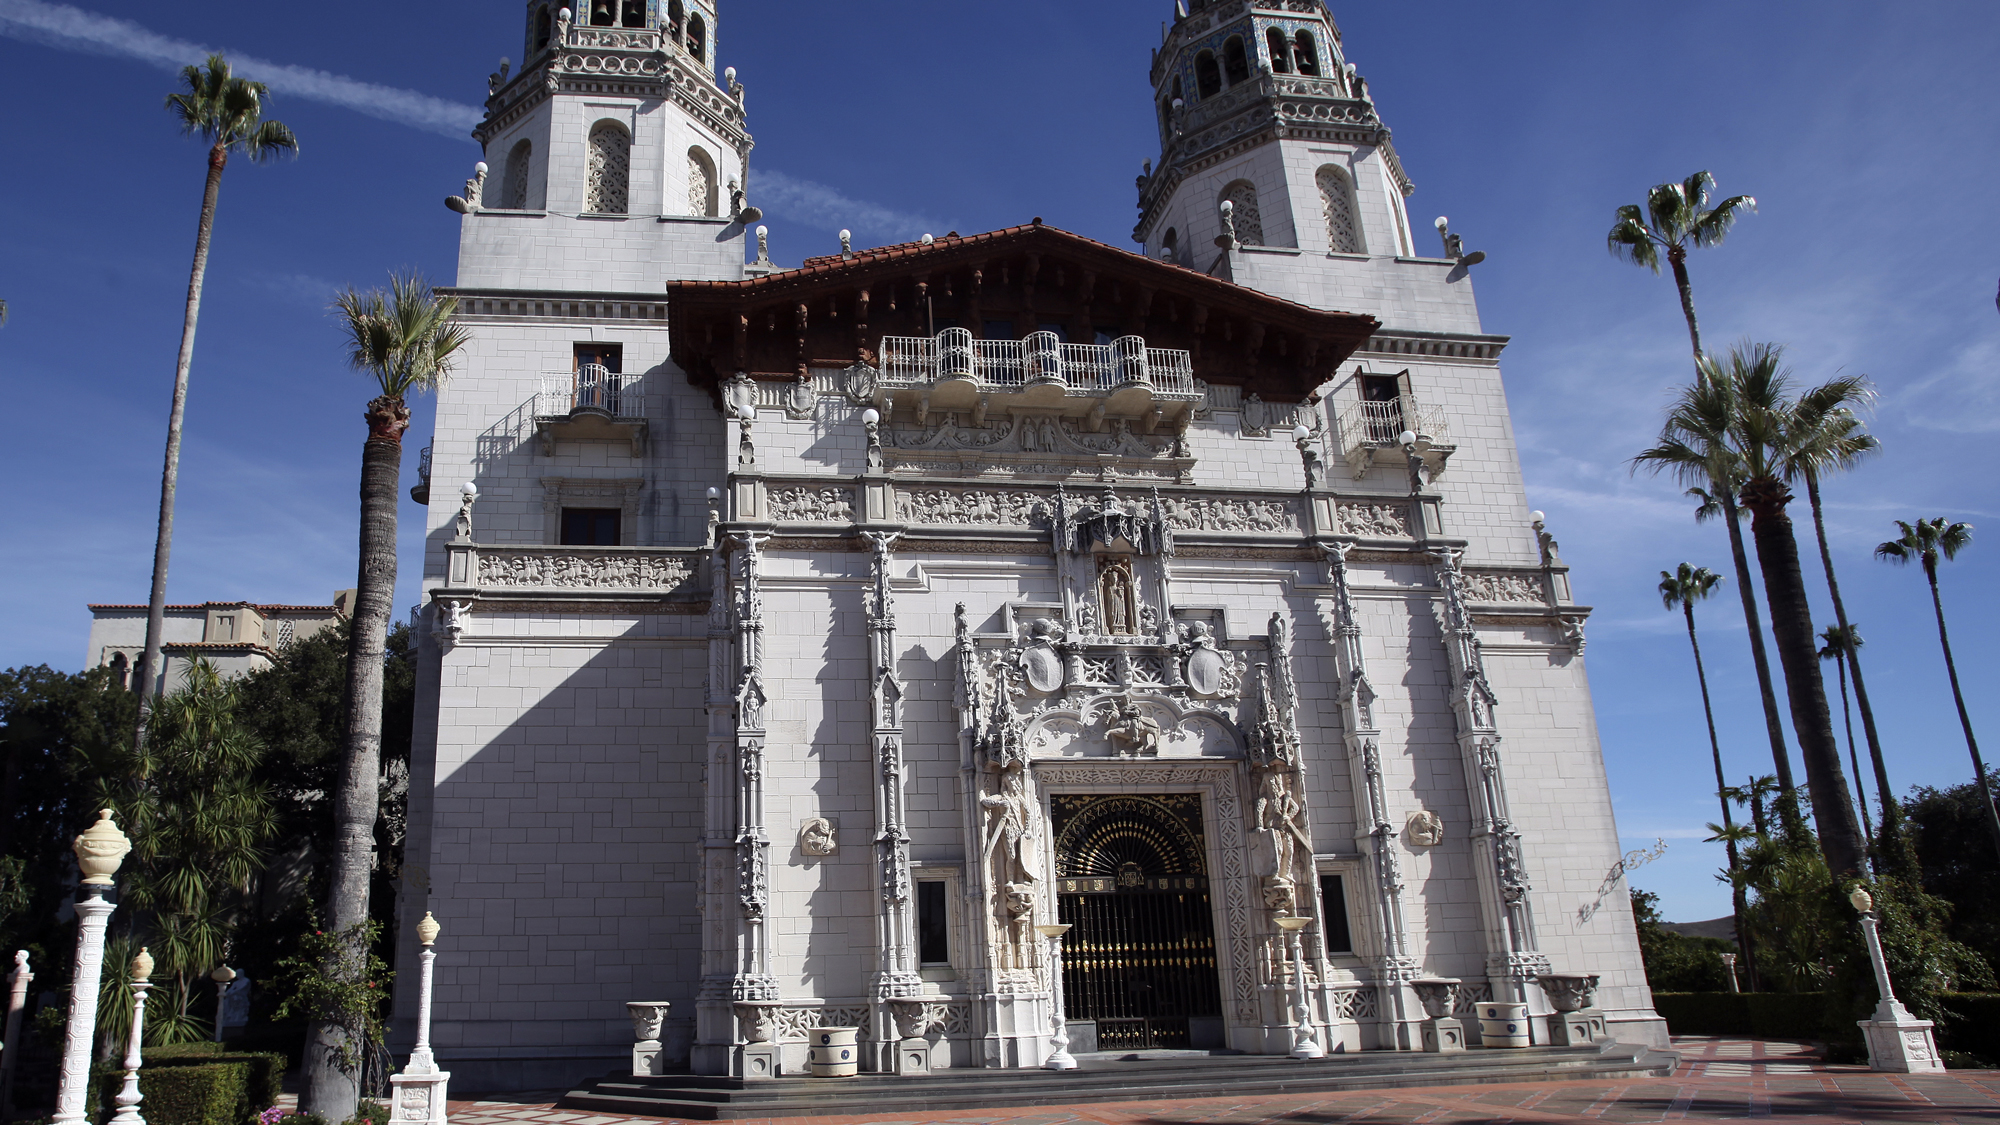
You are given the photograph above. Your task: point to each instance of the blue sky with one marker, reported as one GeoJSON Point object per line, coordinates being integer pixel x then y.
{"type": "Point", "coordinates": [1866, 132]}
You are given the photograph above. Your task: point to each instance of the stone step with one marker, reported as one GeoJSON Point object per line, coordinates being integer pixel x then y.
{"type": "Point", "coordinates": [1105, 1078]}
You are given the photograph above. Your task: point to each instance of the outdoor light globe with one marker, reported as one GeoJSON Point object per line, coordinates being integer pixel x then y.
{"type": "Point", "coordinates": [1535, 516]}
{"type": "Point", "coordinates": [1441, 222]}
{"type": "Point", "coordinates": [1300, 433]}
{"type": "Point", "coordinates": [1407, 437]}
{"type": "Point", "coordinates": [871, 416]}
{"type": "Point", "coordinates": [479, 169]}
{"type": "Point", "coordinates": [729, 74]}
{"type": "Point", "coordinates": [846, 235]}
{"type": "Point", "coordinates": [763, 231]}
{"type": "Point", "coordinates": [715, 494]}
{"type": "Point", "coordinates": [469, 490]}
{"type": "Point", "coordinates": [1861, 900]}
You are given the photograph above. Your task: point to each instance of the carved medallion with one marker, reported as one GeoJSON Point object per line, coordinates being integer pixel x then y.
{"type": "Point", "coordinates": [1039, 661]}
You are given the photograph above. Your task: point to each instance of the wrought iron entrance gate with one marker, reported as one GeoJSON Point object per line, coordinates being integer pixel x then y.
{"type": "Point", "coordinates": [1133, 882]}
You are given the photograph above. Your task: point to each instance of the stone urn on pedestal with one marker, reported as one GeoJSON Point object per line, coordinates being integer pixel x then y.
{"type": "Point", "coordinates": [649, 1017]}
{"type": "Point", "coordinates": [913, 1050]}
{"type": "Point", "coordinates": [757, 1023]}
{"type": "Point", "coordinates": [1442, 1034]}
{"type": "Point", "coordinates": [1577, 1022]}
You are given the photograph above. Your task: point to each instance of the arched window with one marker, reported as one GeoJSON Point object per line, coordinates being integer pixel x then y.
{"type": "Point", "coordinates": [697, 38]}
{"type": "Point", "coordinates": [1207, 76]}
{"type": "Point", "coordinates": [1176, 95]}
{"type": "Point", "coordinates": [1336, 200]}
{"type": "Point", "coordinates": [514, 187]}
{"type": "Point", "coordinates": [1242, 195]}
{"type": "Point", "coordinates": [1235, 64]}
{"type": "Point", "coordinates": [1305, 53]}
{"type": "Point", "coordinates": [610, 169]}
{"type": "Point", "coordinates": [603, 14]}
{"type": "Point", "coordinates": [1281, 56]}
{"type": "Point", "coordinates": [635, 13]}
{"type": "Point", "coordinates": [702, 196]}
{"type": "Point", "coordinates": [676, 16]}
{"type": "Point", "coordinates": [539, 30]}
{"type": "Point", "coordinates": [1170, 245]}
{"type": "Point", "coordinates": [121, 670]}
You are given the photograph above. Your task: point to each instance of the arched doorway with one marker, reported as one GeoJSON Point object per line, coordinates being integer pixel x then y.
{"type": "Point", "coordinates": [1132, 881]}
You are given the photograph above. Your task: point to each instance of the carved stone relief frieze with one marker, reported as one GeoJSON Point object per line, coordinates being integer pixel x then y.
{"type": "Point", "coordinates": [1374, 521]}
{"type": "Point", "coordinates": [1522, 589]}
{"type": "Point", "coordinates": [1201, 513]}
{"type": "Point", "coordinates": [547, 568]}
{"type": "Point", "coordinates": [815, 505]}
{"type": "Point", "coordinates": [973, 507]}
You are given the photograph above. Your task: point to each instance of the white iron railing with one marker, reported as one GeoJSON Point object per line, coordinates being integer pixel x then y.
{"type": "Point", "coordinates": [590, 387]}
{"type": "Point", "coordinates": [1383, 423]}
{"type": "Point", "coordinates": [1006, 365]}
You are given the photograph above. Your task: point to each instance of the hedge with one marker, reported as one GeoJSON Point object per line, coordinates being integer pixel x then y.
{"type": "Point", "coordinates": [1975, 1024]}
{"type": "Point", "coordinates": [196, 1084]}
{"type": "Point", "coordinates": [1763, 1015]}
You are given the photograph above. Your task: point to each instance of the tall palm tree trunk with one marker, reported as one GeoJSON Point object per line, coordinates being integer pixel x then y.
{"type": "Point", "coordinates": [1893, 848]}
{"type": "Point", "coordinates": [1958, 697]}
{"type": "Point", "coordinates": [1788, 806]}
{"type": "Point", "coordinates": [1737, 905]}
{"type": "Point", "coordinates": [330, 1091]}
{"type": "Point", "coordinates": [163, 541]}
{"type": "Point", "coordinates": [1853, 758]}
{"type": "Point", "coordinates": [1677, 258]}
{"type": "Point", "coordinates": [1791, 629]}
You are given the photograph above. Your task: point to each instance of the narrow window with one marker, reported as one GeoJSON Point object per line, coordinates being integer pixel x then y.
{"type": "Point", "coordinates": [597, 385]}
{"type": "Point", "coordinates": [538, 31]}
{"type": "Point", "coordinates": [1207, 76]}
{"type": "Point", "coordinates": [1235, 64]}
{"type": "Point", "coordinates": [697, 38]}
{"type": "Point", "coordinates": [635, 13]}
{"type": "Point", "coordinates": [121, 670]}
{"type": "Point", "coordinates": [1382, 407]}
{"type": "Point", "coordinates": [676, 16]}
{"type": "Point", "coordinates": [1333, 915]}
{"type": "Point", "coordinates": [1281, 59]}
{"type": "Point", "coordinates": [1336, 200]}
{"type": "Point", "coordinates": [1170, 245]}
{"type": "Point", "coordinates": [610, 169]}
{"type": "Point", "coordinates": [933, 927]}
{"type": "Point", "coordinates": [996, 330]}
{"type": "Point", "coordinates": [1242, 195]}
{"type": "Point", "coordinates": [1306, 53]}
{"type": "Point", "coordinates": [514, 189]}
{"type": "Point", "coordinates": [1061, 331]}
{"type": "Point", "coordinates": [1103, 334]}
{"type": "Point", "coordinates": [601, 14]}
{"type": "Point", "coordinates": [703, 199]}
{"type": "Point", "coordinates": [1176, 95]}
{"type": "Point", "coordinates": [590, 527]}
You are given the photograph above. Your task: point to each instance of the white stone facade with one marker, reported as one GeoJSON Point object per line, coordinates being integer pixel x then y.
{"type": "Point", "coordinates": [932, 614]}
{"type": "Point", "coordinates": [236, 637]}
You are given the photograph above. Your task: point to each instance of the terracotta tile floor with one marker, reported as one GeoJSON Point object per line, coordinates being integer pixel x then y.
{"type": "Point", "coordinates": [1718, 1080]}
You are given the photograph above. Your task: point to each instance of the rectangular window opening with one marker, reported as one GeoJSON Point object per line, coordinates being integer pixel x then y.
{"type": "Point", "coordinates": [608, 356]}
{"type": "Point", "coordinates": [590, 527]}
{"type": "Point", "coordinates": [996, 330]}
{"type": "Point", "coordinates": [933, 928]}
{"type": "Point", "coordinates": [1333, 914]}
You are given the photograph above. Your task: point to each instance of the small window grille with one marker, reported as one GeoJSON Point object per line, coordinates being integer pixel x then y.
{"type": "Point", "coordinates": [610, 169]}
{"type": "Point", "coordinates": [1336, 198]}
{"type": "Point", "coordinates": [1242, 196]}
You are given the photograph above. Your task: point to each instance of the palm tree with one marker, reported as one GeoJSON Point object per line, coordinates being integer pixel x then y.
{"type": "Point", "coordinates": [406, 340]}
{"type": "Point", "coordinates": [1838, 641]}
{"type": "Point", "coordinates": [1923, 542]}
{"type": "Point", "coordinates": [1695, 446]}
{"type": "Point", "coordinates": [1765, 433]}
{"type": "Point", "coordinates": [228, 112]}
{"type": "Point", "coordinates": [1680, 217]}
{"type": "Point", "coordinates": [1682, 588]}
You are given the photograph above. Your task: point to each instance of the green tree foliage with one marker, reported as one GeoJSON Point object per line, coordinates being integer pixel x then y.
{"type": "Point", "coordinates": [1950, 830]}
{"type": "Point", "coordinates": [1677, 962]}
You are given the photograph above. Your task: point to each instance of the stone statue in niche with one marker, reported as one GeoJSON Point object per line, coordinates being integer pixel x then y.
{"type": "Point", "coordinates": [1204, 661]}
{"type": "Point", "coordinates": [1280, 814]}
{"type": "Point", "coordinates": [1425, 829]}
{"type": "Point", "coordinates": [816, 837]}
{"type": "Point", "coordinates": [1040, 663]}
{"type": "Point", "coordinates": [1010, 829]}
{"type": "Point", "coordinates": [1133, 733]}
{"type": "Point", "coordinates": [1114, 596]}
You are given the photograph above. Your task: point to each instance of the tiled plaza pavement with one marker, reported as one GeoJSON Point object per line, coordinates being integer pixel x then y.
{"type": "Point", "coordinates": [1718, 1080]}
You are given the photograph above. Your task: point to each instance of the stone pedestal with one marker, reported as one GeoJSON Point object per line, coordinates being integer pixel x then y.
{"type": "Point", "coordinates": [913, 1056]}
{"type": "Point", "coordinates": [1899, 1042]}
{"type": "Point", "coordinates": [1581, 1028]}
{"type": "Point", "coordinates": [419, 1098]}
{"type": "Point", "coordinates": [1443, 1036]}
{"type": "Point", "coordinates": [649, 1017]}
{"type": "Point", "coordinates": [757, 1060]}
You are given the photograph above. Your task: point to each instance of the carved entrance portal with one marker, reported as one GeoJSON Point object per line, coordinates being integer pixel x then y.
{"type": "Point", "coordinates": [1132, 881]}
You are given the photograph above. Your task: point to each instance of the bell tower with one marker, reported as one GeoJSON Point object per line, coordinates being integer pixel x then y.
{"type": "Point", "coordinates": [1258, 106]}
{"type": "Point", "coordinates": [616, 114]}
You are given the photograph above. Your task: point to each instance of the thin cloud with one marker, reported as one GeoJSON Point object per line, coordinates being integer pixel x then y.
{"type": "Point", "coordinates": [73, 29]}
{"type": "Point", "coordinates": [818, 205]}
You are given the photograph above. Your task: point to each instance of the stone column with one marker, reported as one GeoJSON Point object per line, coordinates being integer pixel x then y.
{"type": "Point", "coordinates": [1375, 833]}
{"type": "Point", "coordinates": [895, 929]}
{"type": "Point", "coordinates": [128, 1098]}
{"type": "Point", "coordinates": [99, 851]}
{"type": "Point", "coordinates": [1897, 1041]}
{"type": "Point", "coordinates": [419, 1091]}
{"type": "Point", "coordinates": [17, 1000]}
{"type": "Point", "coordinates": [1514, 963]}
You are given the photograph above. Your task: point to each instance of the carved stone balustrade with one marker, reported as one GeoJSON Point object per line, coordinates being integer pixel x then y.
{"type": "Point", "coordinates": [481, 573]}
{"type": "Point", "coordinates": [954, 371]}
{"type": "Point", "coordinates": [590, 404]}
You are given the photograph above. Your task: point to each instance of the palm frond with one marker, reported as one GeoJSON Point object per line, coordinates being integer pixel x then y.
{"type": "Point", "coordinates": [1671, 211]}
{"type": "Point", "coordinates": [1630, 241]}
{"type": "Point", "coordinates": [1712, 226]}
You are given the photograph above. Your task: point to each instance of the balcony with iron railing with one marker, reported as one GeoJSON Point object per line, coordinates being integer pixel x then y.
{"type": "Point", "coordinates": [1375, 432]}
{"type": "Point", "coordinates": [952, 370]}
{"type": "Point", "coordinates": [421, 491]}
{"type": "Point", "coordinates": [591, 403]}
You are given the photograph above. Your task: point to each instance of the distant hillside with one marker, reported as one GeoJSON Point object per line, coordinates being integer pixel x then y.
{"type": "Point", "coordinates": [1723, 927]}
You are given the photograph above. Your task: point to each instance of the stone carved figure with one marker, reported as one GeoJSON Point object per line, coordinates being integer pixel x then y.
{"type": "Point", "coordinates": [1280, 814]}
{"type": "Point", "coordinates": [1135, 734]}
{"type": "Point", "coordinates": [816, 837]}
{"type": "Point", "coordinates": [1424, 829]}
{"type": "Point", "coordinates": [1040, 663]}
{"type": "Point", "coordinates": [1010, 821]}
{"type": "Point", "coordinates": [1205, 663]}
{"type": "Point", "coordinates": [1278, 894]}
{"type": "Point", "coordinates": [1114, 596]}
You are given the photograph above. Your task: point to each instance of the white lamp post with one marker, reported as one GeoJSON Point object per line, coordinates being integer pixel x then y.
{"type": "Point", "coordinates": [128, 1095]}
{"type": "Point", "coordinates": [1059, 1058]}
{"type": "Point", "coordinates": [420, 1088]}
{"type": "Point", "coordinates": [99, 851]}
{"type": "Point", "coordinates": [1304, 1044]}
{"type": "Point", "coordinates": [1897, 1041]}
{"type": "Point", "coordinates": [17, 1000]}
{"type": "Point", "coordinates": [1729, 962]}
{"type": "Point", "coordinates": [221, 976]}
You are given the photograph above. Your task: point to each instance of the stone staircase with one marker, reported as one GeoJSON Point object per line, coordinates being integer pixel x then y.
{"type": "Point", "coordinates": [1105, 1077]}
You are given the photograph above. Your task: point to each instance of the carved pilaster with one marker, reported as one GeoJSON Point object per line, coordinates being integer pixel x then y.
{"type": "Point", "coordinates": [1514, 962]}
{"type": "Point", "coordinates": [753, 980]}
{"type": "Point", "coordinates": [896, 970]}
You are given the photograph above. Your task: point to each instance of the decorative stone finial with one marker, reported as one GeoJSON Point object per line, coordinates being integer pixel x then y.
{"type": "Point", "coordinates": [100, 850]}
{"type": "Point", "coordinates": [142, 966]}
{"type": "Point", "coordinates": [1227, 239]}
{"type": "Point", "coordinates": [428, 929]}
{"type": "Point", "coordinates": [846, 243]}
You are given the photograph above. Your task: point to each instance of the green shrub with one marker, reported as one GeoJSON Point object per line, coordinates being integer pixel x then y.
{"type": "Point", "coordinates": [1972, 1024]}
{"type": "Point", "coordinates": [369, 1112]}
{"type": "Point", "coordinates": [200, 1047]}
{"type": "Point", "coordinates": [252, 1082]}
{"type": "Point", "coordinates": [1765, 1015]}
